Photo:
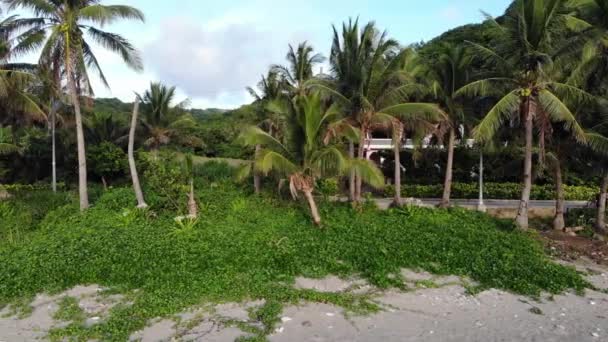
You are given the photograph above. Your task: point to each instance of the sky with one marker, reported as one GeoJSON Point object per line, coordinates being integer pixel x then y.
{"type": "Point", "coordinates": [212, 50]}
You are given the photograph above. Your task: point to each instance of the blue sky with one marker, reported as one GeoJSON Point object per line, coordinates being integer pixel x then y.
{"type": "Point", "coordinates": [212, 50]}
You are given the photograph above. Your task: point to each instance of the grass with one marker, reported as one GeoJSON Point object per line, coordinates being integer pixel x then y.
{"type": "Point", "coordinates": [246, 247]}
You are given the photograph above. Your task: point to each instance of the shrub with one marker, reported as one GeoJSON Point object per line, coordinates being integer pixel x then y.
{"type": "Point", "coordinates": [107, 160]}
{"type": "Point", "coordinates": [328, 187]}
{"type": "Point", "coordinates": [495, 191]}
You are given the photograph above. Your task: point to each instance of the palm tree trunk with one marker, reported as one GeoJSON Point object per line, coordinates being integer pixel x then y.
{"type": "Point", "coordinates": [352, 177]}
{"type": "Point", "coordinates": [53, 147]}
{"type": "Point", "coordinates": [314, 211]}
{"type": "Point", "coordinates": [192, 206]}
{"type": "Point", "coordinates": [522, 215]}
{"type": "Point", "coordinates": [4, 195]}
{"type": "Point", "coordinates": [82, 158]}
{"type": "Point", "coordinates": [360, 155]}
{"type": "Point", "coordinates": [397, 149]}
{"type": "Point", "coordinates": [558, 221]}
{"type": "Point", "coordinates": [600, 222]}
{"type": "Point", "coordinates": [257, 181]}
{"type": "Point", "coordinates": [447, 185]}
{"type": "Point", "coordinates": [141, 203]}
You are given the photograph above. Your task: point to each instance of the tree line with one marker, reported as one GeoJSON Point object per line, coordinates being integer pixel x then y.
{"type": "Point", "coordinates": [534, 77]}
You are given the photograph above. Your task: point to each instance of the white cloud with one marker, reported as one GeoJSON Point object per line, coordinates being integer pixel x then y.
{"type": "Point", "coordinates": [451, 13]}
{"type": "Point", "coordinates": [211, 63]}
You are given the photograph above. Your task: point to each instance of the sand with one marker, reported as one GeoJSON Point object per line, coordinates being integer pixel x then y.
{"type": "Point", "coordinates": [445, 313]}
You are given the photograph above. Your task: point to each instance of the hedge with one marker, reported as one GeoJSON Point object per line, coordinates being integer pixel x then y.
{"type": "Point", "coordinates": [495, 191]}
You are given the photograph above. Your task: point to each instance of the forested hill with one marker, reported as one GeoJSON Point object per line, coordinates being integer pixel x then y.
{"type": "Point", "coordinates": [114, 105]}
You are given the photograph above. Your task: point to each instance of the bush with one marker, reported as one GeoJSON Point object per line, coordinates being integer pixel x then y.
{"type": "Point", "coordinates": [107, 160]}
{"type": "Point", "coordinates": [507, 191]}
{"type": "Point", "coordinates": [328, 187]}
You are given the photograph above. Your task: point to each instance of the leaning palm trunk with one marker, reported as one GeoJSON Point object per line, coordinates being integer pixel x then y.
{"type": "Point", "coordinates": [192, 206]}
{"type": "Point", "coordinates": [558, 221]}
{"type": "Point", "coordinates": [4, 195]}
{"type": "Point", "coordinates": [257, 179]}
{"type": "Point", "coordinates": [522, 214]}
{"type": "Point", "coordinates": [82, 158]}
{"type": "Point", "coordinates": [141, 203]}
{"type": "Point", "coordinates": [600, 222]}
{"type": "Point", "coordinates": [314, 211]}
{"type": "Point", "coordinates": [447, 185]}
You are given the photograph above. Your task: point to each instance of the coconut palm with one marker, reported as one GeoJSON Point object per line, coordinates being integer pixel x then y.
{"type": "Point", "coordinates": [521, 54]}
{"type": "Point", "coordinates": [100, 127]}
{"type": "Point", "coordinates": [599, 144]}
{"type": "Point", "coordinates": [354, 53]}
{"type": "Point", "coordinates": [448, 72]}
{"type": "Point", "coordinates": [594, 39]}
{"type": "Point", "coordinates": [385, 104]}
{"type": "Point", "coordinates": [271, 87]}
{"type": "Point", "coordinates": [306, 153]}
{"type": "Point", "coordinates": [164, 121]}
{"type": "Point", "coordinates": [64, 28]}
{"type": "Point", "coordinates": [7, 147]}
{"type": "Point", "coordinates": [299, 69]}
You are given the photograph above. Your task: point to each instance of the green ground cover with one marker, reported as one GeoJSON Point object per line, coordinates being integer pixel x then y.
{"type": "Point", "coordinates": [249, 247]}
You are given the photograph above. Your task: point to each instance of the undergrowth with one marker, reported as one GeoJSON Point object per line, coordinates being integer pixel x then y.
{"type": "Point", "coordinates": [252, 247]}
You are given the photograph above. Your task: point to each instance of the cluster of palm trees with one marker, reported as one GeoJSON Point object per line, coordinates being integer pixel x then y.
{"type": "Point", "coordinates": [538, 78]}
{"type": "Point", "coordinates": [54, 91]}
{"type": "Point", "coordinates": [538, 70]}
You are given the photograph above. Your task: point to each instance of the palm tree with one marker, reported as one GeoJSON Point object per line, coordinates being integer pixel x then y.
{"type": "Point", "coordinates": [100, 127]}
{"type": "Point", "coordinates": [139, 195]}
{"type": "Point", "coordinates": [165, 122]}
{"type": "Point", "coordinates": [448, 72]}
{"type": "Point", "coordinates": [521, 54]}
{"type": "Point", "coordinates": [7, 147]}
{"type": "Point", "coordinates": [301, 62]}
{"type": "Point", "coordinates": [354, 53]}
{"type": "Point", "coordinates": [271, 87]}
{"type": "Point", "coordinates": [599, 144]}
{"type": "Point", "coordinates": [306, 154]}
{"type": "Point", "coordinates": [385, 104]}
{"type": "Point", "coordinates": [64, 26]}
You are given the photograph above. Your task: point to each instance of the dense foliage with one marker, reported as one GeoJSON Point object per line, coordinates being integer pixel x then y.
{"type": "Point", "coordinates": [240, 248]}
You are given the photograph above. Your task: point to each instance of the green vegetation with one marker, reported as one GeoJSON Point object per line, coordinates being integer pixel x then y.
{"type": "Point", "coordinates": [200, 237]}
{"type": "Point", "coordinates": [240, 249]}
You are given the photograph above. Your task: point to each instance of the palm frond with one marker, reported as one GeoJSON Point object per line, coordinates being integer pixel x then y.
{"type": "Point", "coordinates": [368, 171]}
{"type": "Point", "coordinates": [269, 161]}
{"type": "Point", "coordinates": [504, 109]}
{"type": "Point", "coordinates": [559, 112]}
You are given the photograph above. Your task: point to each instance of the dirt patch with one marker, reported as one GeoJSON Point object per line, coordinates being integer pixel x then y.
{"type": "Point", "coordinates": [572, 248]}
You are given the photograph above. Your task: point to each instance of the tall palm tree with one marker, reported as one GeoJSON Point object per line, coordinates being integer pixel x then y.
{"type": "Point", "coordinates": [271, 87]}
{"type": "Point", "coordinates": [17, 80]}
{"type": "Point", "coordinates": [306, 154]}
{"type": "Point", "coordinates": [448, 72]}
{"type": "Point", "coordinates": [354, 53]}
{"type": "Point", "coordinates": [299, 69]}
{"type": "Point", "coordinates": [165, 121]}
{"type": "Point", "coordinates": [383, 102]}
{"type": "Point", "coordinates": [521, 53]}
{"type": "Point", "coordinates": [65, 26]}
